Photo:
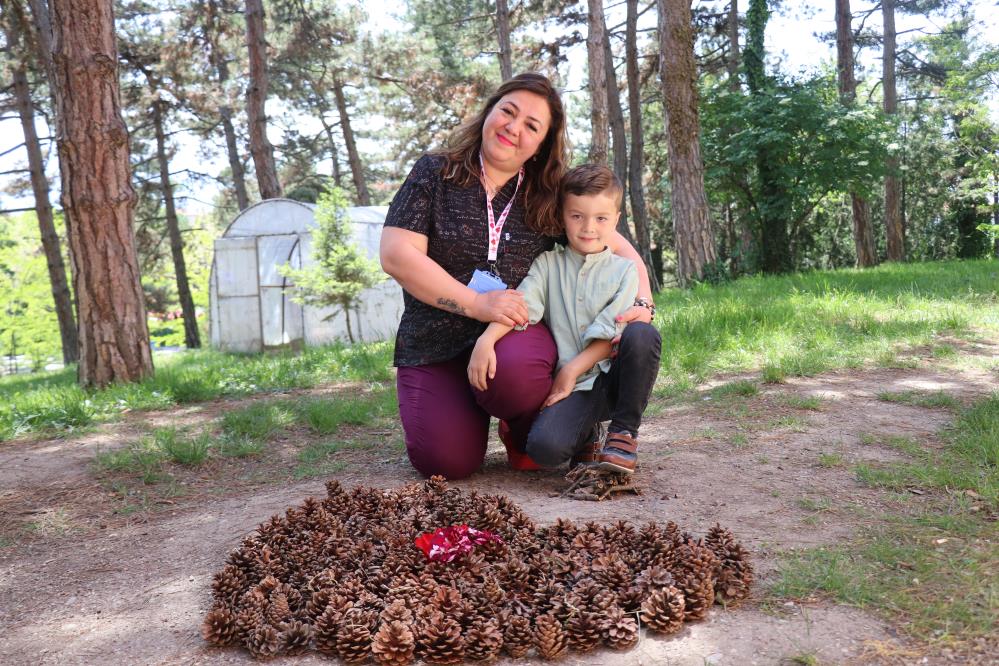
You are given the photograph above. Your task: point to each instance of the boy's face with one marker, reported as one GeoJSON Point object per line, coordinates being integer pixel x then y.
{"type": "Point", "coordinates": [589, 219]}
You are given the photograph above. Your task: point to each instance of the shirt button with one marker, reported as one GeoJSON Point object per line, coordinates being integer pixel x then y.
{"type": "Point", "coordinates": [580, 299]}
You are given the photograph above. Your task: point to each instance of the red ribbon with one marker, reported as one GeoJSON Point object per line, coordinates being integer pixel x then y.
{"type": "Point", "coordinates": [446, 543]}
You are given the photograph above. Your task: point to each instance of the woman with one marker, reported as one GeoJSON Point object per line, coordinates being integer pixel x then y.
{"type": "Point", "coordinates": [484, 206]}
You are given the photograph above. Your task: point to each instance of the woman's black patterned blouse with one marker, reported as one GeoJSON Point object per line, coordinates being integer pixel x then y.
{"type": "Point", "coordinates": [454, 220]}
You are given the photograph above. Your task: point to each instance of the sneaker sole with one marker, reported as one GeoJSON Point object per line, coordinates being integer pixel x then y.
{"type": "Point", "coordinates": [612, 467]}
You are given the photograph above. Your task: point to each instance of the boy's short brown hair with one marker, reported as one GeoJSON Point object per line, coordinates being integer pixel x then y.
{"type": "Point", "coordinates": [590, 179]}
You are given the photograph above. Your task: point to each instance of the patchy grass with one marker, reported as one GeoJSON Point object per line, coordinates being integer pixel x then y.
{"type": "Point", "coordinates": [930, 399]}
{"type": "Point", "coordinates": [969, 461]}
{"type": "Point", "coordinates": [808, 403]}
{"type": "Point", "coordinates": [181, 449]}
{"type": "Point", "coordinates": [931, 566]}
{"type": "Point", "coordinates": [52, 402]}
{"type": "Point", "coordinates": [791, 422]}
{"type": "Point", "coordinates": [830, 460]}
{"type": "Point", "coordinates": [743, 388]}
{"type": "Point", "coordinates": [259, 421]}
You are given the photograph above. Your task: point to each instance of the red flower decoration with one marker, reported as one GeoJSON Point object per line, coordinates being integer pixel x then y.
{"type": "Point", "coordinates": [446, 543]}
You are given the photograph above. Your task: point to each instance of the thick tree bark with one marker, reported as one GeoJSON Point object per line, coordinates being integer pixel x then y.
{"type": "Point", "coordinates": [636, 158]}
{"type": "Point", "coordinates": [599, 126]}
{"type": "Point", "coordinates": [695, 245]}
{"type": "Point", "coordinates": [356, 167]}
{"type": "Point", "coordinates": [256, 98]}
{"type": "Point", "coordinates": [894, 230]}
{"type": "Point", "coordinates": [732, 58]}
{"type": "Point", "coordinates": [43, 210]}
{"type": "Point", "coordinates": [619, 142]}
{"type": "Point", "coordinates": [216, 56]}
{"type": "Point", "coordinates": [863, 238]}
{"type": "Point", "coordinates": [97, 192]}
{"type": "Point", "coordinates": [191, 336]}
{"type": "Point", "coordinates": [503, 34]}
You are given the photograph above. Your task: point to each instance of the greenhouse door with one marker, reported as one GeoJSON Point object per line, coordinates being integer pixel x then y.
{"type": "Point", "coordinates": [280, 318]}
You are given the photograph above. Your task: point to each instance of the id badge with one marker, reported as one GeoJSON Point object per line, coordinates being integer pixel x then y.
{"type": "Point", "coordinates": [483, 281]}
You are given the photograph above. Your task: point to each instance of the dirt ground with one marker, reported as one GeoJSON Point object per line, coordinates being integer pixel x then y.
{"type": "Point", "coordinates": [89, 576]}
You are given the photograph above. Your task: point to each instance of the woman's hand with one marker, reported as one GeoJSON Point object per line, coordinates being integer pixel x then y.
{"type": "Point", "coordinates": [504, 306]}
{"type": "Point", "coordinates": [482, 365]}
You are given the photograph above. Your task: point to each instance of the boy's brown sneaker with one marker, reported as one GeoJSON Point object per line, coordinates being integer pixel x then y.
{"type": "Point", "coordinates": [590, 453]}
{"type": "Point", "coordinates": [619, 454]}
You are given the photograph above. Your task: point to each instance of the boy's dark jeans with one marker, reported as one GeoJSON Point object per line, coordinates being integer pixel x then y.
{"type": "Point", "coordinates": [620, 395]}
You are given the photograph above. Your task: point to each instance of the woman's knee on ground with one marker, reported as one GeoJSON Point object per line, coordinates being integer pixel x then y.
{"type": "Point", "coordinates": [454, 449]}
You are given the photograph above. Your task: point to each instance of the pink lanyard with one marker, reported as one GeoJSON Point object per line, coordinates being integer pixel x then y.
{"type": "Point", "coordinates": [496, 226]}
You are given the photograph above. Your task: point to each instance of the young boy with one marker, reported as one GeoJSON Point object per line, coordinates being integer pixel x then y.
{"type": "Point", "coordinates": [579, 291]}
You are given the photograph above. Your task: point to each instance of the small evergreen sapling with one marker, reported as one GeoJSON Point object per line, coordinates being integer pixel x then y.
{"type": "Point", "coordinates": [339, 271]}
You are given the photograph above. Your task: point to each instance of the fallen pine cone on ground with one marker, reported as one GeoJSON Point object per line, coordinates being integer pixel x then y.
{"type": "Point", "coordinates": [429, 572]}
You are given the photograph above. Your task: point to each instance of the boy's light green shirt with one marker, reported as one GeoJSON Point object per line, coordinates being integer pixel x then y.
{"type": "Point", "coordinates": [578, 296]}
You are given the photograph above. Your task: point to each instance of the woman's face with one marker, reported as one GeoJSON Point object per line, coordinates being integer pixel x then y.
{"type": "Point", "coordinates": [515, 129]}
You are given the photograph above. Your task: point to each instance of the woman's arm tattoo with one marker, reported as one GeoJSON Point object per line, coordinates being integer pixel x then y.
{"type": "Point", "coordinates": [450, 305]}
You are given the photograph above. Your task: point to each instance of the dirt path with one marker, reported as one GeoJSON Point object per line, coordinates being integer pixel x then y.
{"type": "Point", "coordinates": [98, 587]}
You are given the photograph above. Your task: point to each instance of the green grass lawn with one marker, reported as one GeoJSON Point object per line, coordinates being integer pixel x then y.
{"type": "Point", "coordinates": [783, 326]}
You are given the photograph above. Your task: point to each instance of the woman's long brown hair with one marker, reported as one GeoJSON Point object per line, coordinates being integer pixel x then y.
{"type": "Point", "coordinates": [542, 173]}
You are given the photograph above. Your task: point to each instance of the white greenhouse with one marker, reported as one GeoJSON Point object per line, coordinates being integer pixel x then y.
{"type": "Point", "coordinates": [251, 307]}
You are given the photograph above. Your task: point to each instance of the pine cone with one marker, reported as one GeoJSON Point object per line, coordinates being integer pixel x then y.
{"type": "Point", "coordinates": [265, 642]}
{"type": "Point", "coordinates": [296, 638]}
{"type": "Point", "coordinates": [620, 631]}
{"type": "Point", "coordinates": [734, 573]}
{"type": "Point", "coordinates": [394, 644]}
{"type": "Point", "coordinates": [699, 592]}
{"type": "Point", "coordinates": [483, 641]}
{"type": "Point", "coordinates": [630, 599]}
{"type": "Point", "coordinates": [440, 641]}
{"type": "Point", "coordinates": [517, 636]}
{"type": "Point", "coordinates": [653, 578]}
{"type": "Point", "coordinates": [353, 642]}
{"type": "Point", "coordinates": [278, 611]}
{"type": "Point", "coordinates": [326, 630]}
{"type": "Point", "coordinates": [663, 611]}
{"type": "Point", "coordinates": [549, 638]}
{"type": "Point", "coordinates": [229, 583]}
{"type": "Point", "coordinates": [317, 604]}
{"type": "Point", "coordinates": [219, 627]}
{"type": "Point", "coordinates": [584, 630]}
{"type": "Point", "coordinates": [611, 571]}
{"type": "Point", "coordinates": [397, 611]}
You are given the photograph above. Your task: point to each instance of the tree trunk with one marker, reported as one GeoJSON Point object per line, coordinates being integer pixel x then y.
{"type": "Point", "coordinates": [256, 98]}
{"type": "Point", "coordinates": [217, 58]}
{"type": "Point", "coordinates": [619, 143]}
{"type": "Point", "coordinates": [356, 167]}
{"type": "Point", "coordinates": [97, 192]}
{"type": "Point", "coordinates": [695, 245]}
{"type": "Point", "coordinates": [863, 239]}
{"type": "Point", "coordinates": [732, 61]}
{"type": "Point", "coordinates": [334, 151]}
{"type": "Point", "coordinates": [191, 337]}
{"type": "Point", "coordinates": [599, 127]}
{"type": "Point", "coordinates": [636, 168]}
{"type": "Point", "coordinates": [772, 210]}
{"type": "Point", "coordinates": [43, 206]}
{"type": "Point", "coordinates": [503, 33]}
{"type": "Point", "coordinates": [894, 231]}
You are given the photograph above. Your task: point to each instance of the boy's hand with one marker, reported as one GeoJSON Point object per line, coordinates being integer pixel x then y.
{"type": "Point", "coordinates": [562, 387]}
{"type": "Point", "coordinates": [482, 365]}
